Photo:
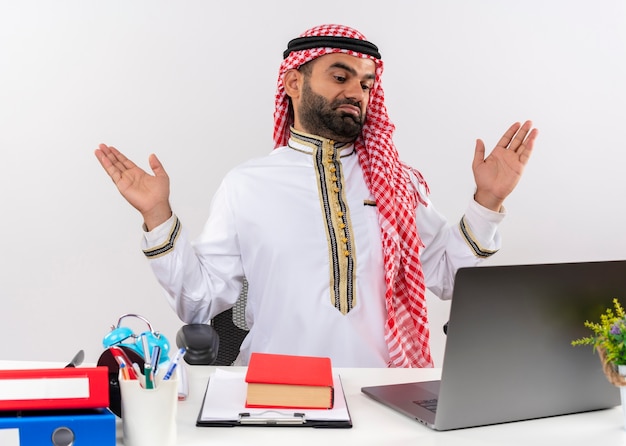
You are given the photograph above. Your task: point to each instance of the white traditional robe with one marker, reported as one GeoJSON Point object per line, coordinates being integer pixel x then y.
{"type": "Point", "coordinates": [267, 223]}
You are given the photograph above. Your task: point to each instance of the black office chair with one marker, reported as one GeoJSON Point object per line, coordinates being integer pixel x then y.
{"type": "Point", "coordinates": [231, 328]}
{"type": "Point", "coordinates": [219, 342]}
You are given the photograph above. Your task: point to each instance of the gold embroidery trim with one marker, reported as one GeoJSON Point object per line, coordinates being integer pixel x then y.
{"type": "Point", "coordinates": [470, 239]}
{"type": "Point", "coordinates": [338, 226]}
{"type": "Point", "coordinates": [168, 245]}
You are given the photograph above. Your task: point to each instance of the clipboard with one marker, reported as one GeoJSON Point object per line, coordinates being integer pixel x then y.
{"type": "Point", "coordinates": [224, 400]}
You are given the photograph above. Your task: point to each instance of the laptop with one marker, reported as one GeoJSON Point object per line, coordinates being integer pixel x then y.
{"type": "Point", "coordinates": [508, 354]}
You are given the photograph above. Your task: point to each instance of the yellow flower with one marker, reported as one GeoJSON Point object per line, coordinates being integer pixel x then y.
{"type": "Point", "coordinates": [609, 334]}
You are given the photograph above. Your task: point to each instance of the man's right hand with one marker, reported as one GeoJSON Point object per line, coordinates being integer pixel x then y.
{"type": "Point", "coordinates": [149, 194]}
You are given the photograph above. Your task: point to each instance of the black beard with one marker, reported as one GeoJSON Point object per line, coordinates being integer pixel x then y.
{"type": "Point", "coordinates": [319, 117]}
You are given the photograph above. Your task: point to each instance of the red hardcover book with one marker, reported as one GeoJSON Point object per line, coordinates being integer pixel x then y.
{"type": "Point", "coordinates": [63, 388]}
{"type": "Point", "coordinates": [289, 381]}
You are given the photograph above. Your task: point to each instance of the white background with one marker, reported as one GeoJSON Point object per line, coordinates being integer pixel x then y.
{"type": "Point", "coordinates": [193, 81]}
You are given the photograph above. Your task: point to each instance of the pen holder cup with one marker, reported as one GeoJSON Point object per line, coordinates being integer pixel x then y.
{"type": "Point", "coordinates": [149, 415]}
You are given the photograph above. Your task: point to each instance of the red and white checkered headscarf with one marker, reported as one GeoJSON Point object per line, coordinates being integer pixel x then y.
{"type": "Point", "coordinates": [406, 328]}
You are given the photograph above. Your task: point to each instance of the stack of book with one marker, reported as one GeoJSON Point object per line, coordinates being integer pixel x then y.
{"type": "Point", "coordinates": [276, 390]}
{"type": "Point", "coordinates": [57, 406]}
{"type": "Point", "coordinates": [289, 381]}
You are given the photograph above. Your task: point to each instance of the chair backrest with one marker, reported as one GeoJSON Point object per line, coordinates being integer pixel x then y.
{"type": "Point", "coordinates": [232, 329]}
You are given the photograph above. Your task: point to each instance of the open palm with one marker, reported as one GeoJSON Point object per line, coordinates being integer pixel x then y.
{"type": "Point", "coordinates": [497, 175]}
{"type": "Point", "coordinates": [149, 194]}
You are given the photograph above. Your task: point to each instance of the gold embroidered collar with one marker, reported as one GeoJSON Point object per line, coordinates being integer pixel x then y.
{"type": "Point", "coordinates": [307, 143]}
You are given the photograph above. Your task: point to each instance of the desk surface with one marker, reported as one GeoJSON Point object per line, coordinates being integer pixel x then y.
{"type": "Point", "coordinates": [374, 424]}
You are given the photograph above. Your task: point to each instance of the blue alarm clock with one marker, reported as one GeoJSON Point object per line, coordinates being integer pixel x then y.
{"type": "Point", "coordinates": [125, 337]}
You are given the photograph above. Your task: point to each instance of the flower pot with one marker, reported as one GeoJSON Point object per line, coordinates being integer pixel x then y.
{"type": "Point", "coordinates": [622, 391]}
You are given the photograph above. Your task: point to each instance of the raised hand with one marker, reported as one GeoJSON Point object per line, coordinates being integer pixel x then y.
{"type": "Point", "coordinates": [497, 175]}
{"type": "Point", "coordinates": [149, 194]}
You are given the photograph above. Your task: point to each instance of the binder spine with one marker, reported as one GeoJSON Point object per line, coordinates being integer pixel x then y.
{"type": "Point", "coordinates": [90, 427]}
{"type": "Point", "coordinates": [65, 388]}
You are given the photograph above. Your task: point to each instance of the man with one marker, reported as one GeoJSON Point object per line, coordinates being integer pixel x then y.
{"type": "Point", "coordinates": [335, 235]}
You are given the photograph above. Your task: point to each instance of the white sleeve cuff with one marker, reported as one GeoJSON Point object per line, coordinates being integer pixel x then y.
{"type": "Point", "coordinates": [161, 239]}
{"type": "Point", "coordinates": [479, 228]}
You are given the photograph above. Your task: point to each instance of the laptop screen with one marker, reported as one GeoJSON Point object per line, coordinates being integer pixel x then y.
{"type": "Point", "coordinates": [508, 353]}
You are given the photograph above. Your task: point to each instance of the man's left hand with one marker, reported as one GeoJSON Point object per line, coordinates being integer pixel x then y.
{"type": "Point", "coordinates": [497, 175]}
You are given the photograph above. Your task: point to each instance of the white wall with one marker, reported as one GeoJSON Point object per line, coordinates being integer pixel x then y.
{"type": "Point", "coordinates": [193, 81]}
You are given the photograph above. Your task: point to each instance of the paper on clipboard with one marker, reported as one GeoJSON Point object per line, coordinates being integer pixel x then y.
{"type": "Point", "coordinates": [225, 398]}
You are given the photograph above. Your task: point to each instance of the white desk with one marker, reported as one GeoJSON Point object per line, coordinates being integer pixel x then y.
{"type": "Point", "coordinates": [374, 424]}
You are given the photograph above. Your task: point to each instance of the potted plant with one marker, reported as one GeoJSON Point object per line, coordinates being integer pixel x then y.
{"type": "Point", "coordinates": [609, 340]}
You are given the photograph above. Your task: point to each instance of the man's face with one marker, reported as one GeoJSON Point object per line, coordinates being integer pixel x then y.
{"type": "Point", "coordinates": [334, 96]}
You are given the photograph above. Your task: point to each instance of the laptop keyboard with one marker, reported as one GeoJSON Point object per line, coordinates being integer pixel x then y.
{"type": "Point", "coordinates": [428, 404]}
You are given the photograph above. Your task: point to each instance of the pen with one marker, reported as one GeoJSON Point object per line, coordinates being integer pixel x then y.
{"type": "Point", "coordinates": [174, 363]}
{"type": "Point", "coordinates": [154, 359]}
{"type": "Point", "coordinates": [136, 368]}
{"type": "Point", "coordinates": [120, 357]}
{"type": "Point", "coordinates": [183, 384]}
{"type": "Point", "coordinates": [124, 370]}
{"type": "Point", "coordinates": [147, 371]}
{"type": "Point", "coordinates": [146, 347]}
{"type": "Point", "coordinates": [147, 367]}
